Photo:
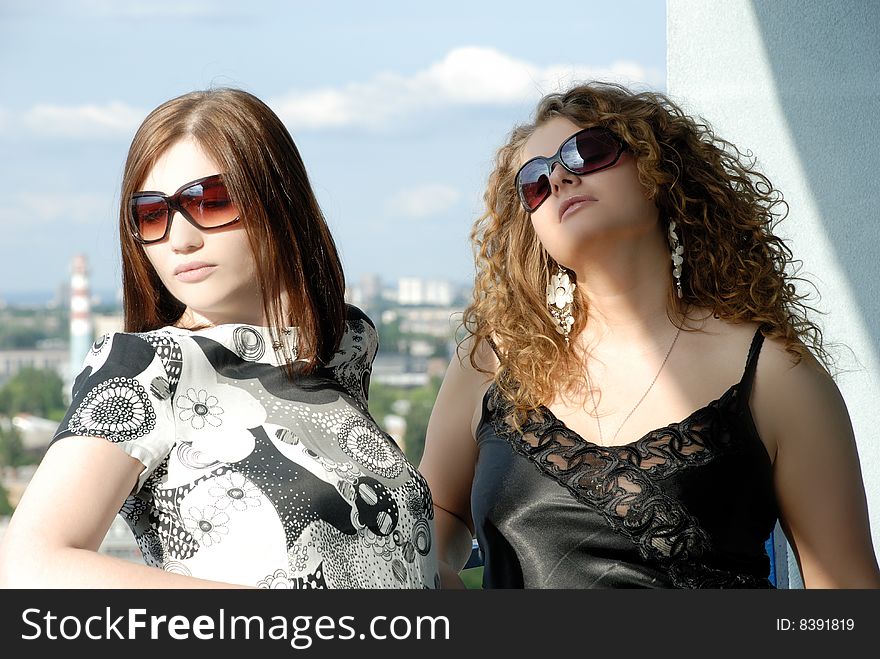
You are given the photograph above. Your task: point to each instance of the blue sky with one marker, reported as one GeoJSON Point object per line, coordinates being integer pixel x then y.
{"type": "Point", "coordinates": [397, 110]}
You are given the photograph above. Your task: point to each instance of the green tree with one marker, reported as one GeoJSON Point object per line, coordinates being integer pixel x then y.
{"type": "Point", "coordinates": [391, 338]}
{"type": "Point", "coordinates": [5, 506]}
{"type": "Point", "coordinates": [421, 403]}
{"type": "Point", "coordinates": [33, 391]}
{"type": "Point", "coordinates": [20, 338]}
{"type": "Point", "coordinates": [12, 453]}
{"type": "Point", "coordinates": [382, 397]}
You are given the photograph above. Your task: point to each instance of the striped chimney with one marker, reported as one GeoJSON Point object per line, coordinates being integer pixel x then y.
{"type": "Point", "coordinates": [81, 325]}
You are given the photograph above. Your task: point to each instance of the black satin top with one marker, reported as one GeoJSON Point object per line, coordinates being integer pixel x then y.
{"type": "Point", "coordinates": [686, 506]}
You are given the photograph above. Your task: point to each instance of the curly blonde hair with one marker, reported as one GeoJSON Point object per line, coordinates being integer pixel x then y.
{"type": "Point", "coordinates": [725, 210]}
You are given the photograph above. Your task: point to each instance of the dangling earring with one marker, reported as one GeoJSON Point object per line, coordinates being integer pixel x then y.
{"type": "Point", "coordinates": [677, 259]}
{"type": "Point", "coordinates": [560, 301]}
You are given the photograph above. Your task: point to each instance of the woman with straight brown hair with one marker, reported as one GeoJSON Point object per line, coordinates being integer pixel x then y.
{"type": "Point", "coordinates": [642, 393]}
{"type": "Point", "coordinates": [237, 393]}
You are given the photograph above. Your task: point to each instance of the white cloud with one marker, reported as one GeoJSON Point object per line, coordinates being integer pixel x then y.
{"type": "Point", "coordinates": [84, 121]}
{"type": "Point", "coordinates": [30, 208]}
{"type": "Point", "coordinates": [466, 76]}
{"type": "Point", "coordinates": [423, 200]}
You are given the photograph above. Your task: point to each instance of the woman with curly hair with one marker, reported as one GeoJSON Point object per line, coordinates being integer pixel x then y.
{"type": "Point", "coordinates": [641, 395]}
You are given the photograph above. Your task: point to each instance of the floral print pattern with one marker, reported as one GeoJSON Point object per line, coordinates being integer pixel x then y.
{"type": "Point", "coordinates": [207, 525]}
{"type": "Point", "coordinates": [233, 489]}
{"type": "Point", "coordinates": [199, 408]}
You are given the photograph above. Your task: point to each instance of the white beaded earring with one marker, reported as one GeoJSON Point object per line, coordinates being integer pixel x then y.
{"type": "Point", "coordinates": [677, 250]}
{"type": "Point", "coordinates": [560, 301]}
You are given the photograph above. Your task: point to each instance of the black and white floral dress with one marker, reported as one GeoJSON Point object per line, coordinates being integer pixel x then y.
{"type": "Point", "coordinates": [252, 479]}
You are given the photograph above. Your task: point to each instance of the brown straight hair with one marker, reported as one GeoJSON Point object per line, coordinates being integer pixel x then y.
{"type": "Point", "coordinates": [295, 255]}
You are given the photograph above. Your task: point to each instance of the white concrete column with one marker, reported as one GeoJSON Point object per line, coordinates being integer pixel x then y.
{"type": "Point", "coordinates": [797, 83]}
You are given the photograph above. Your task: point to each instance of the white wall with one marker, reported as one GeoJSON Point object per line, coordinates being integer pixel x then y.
{"type": "Point", "coordinates": [798, 84]}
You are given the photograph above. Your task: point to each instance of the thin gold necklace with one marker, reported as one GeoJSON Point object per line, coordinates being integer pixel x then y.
{"type": "Point", "coordinates": [635, 407]}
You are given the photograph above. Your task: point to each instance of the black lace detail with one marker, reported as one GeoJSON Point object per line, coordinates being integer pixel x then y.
{"type": "Point", "coordinates": [621, 482]}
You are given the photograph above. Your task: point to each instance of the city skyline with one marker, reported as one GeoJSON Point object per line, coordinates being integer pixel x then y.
{"type": "Point", "coordinates": [109, 297]}
{"type": "Point", "coordinates": [367, 92]}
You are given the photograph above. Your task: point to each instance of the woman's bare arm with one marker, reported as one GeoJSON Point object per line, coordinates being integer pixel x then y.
{"type": "Point", "coordinates": [64, 514]}
{"type": "Point", "coordinates": [817, 475]}
{"type": "Point", "coordinates": [449, 458]}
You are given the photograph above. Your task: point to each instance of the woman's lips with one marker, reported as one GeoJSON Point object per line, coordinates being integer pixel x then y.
{"type": "Point", "coordinates": [573, 204]}
{"type": "Point", "coordinates": [197, 274]}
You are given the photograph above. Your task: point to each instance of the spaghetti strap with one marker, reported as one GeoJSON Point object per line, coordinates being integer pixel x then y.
{"type": "Point", "coordinates": [745, 384]}
{"type": "Point", "coordinates": [494, 347]}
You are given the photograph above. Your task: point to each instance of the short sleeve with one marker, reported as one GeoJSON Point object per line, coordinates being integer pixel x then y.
{"type": "Point", "coordinates": [124, 394]}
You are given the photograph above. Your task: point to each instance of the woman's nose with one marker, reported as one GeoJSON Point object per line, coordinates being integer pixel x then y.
{"type": "Point", "coordinates": [559, 176]}
{"type": "Point", "coordinates": [183, 236]}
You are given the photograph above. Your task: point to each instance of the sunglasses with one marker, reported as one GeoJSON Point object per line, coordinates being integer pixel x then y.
{"type": "Point", "coordinates": [205, 203]}
{"type": "Point", "coordinates": [584, 152]}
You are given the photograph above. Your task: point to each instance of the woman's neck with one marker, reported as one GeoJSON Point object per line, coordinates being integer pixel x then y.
{"type": "Point", "coordinates": [192, 319]}
{"type": "Point", "coordinates": [242, 312]}
{"type": "Point", "coordinates": [626, 289]}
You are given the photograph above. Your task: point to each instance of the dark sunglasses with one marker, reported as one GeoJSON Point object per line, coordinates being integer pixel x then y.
{"type": "Point", "coordinates": [205, 203]}
{"type": "Point", "coordinates": [584, 152]}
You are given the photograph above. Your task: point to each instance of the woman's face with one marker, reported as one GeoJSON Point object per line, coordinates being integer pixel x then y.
{"type": "Point", "coordinates": [608, 204]}
{"type": "Point", "coordinates": [212, 271]}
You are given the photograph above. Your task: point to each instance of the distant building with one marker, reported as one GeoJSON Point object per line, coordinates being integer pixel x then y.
{"type": "Point", "coordinates": [366, 293]}
{"type": "Point", "coordinates": [420, 348]}
{"type": "Point", "coordinates": [418, 291]}
{"type": "Point", "coordinates": [61, 298]}
{"type": "Point", "coordinates": [395, 425]}
{"type": "Point", "coordinates": [441, 322]}
{"type": "Point", "coordinates": [49, 359]}
{"type": "Point", "coordinates": [36, 433]}
{"type": "Point", "coordinates": [107, 323]}
{"type": "Point", "coordinates": [371, 287]}
{"type": "Point", "coordinates": [353, 296]}
{"type": "Point", "coordinates": [400, 370]}
{"type": "Point", "coordinates": [15, 480]}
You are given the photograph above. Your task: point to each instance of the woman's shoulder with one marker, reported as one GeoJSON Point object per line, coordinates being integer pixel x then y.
{"type": "Point", "coordinates": [478, 355]}
{"type": "Point", "coordinates": [146, 335]}
{"type": "Point", "coordinates": [777, 359]}
{"type": "Point", "coordinates": [359, 338]}
{"type": "Point", "coordinates": [788, 372]}
{"type": "Point", "coordinates": [470, 374]}
{"type": "Point", "coordinates": [718, 340]}
{"type": "Point", "coordinates": [119, 344]}
{"type": "Point", "coordinates": [360, 331]}
{"type": "Point", "coordinates": [790, 387]}
{"type": "Point", "coordinates": [356, 315]}
{"type": "Point", "coordinates": [120, 356]}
